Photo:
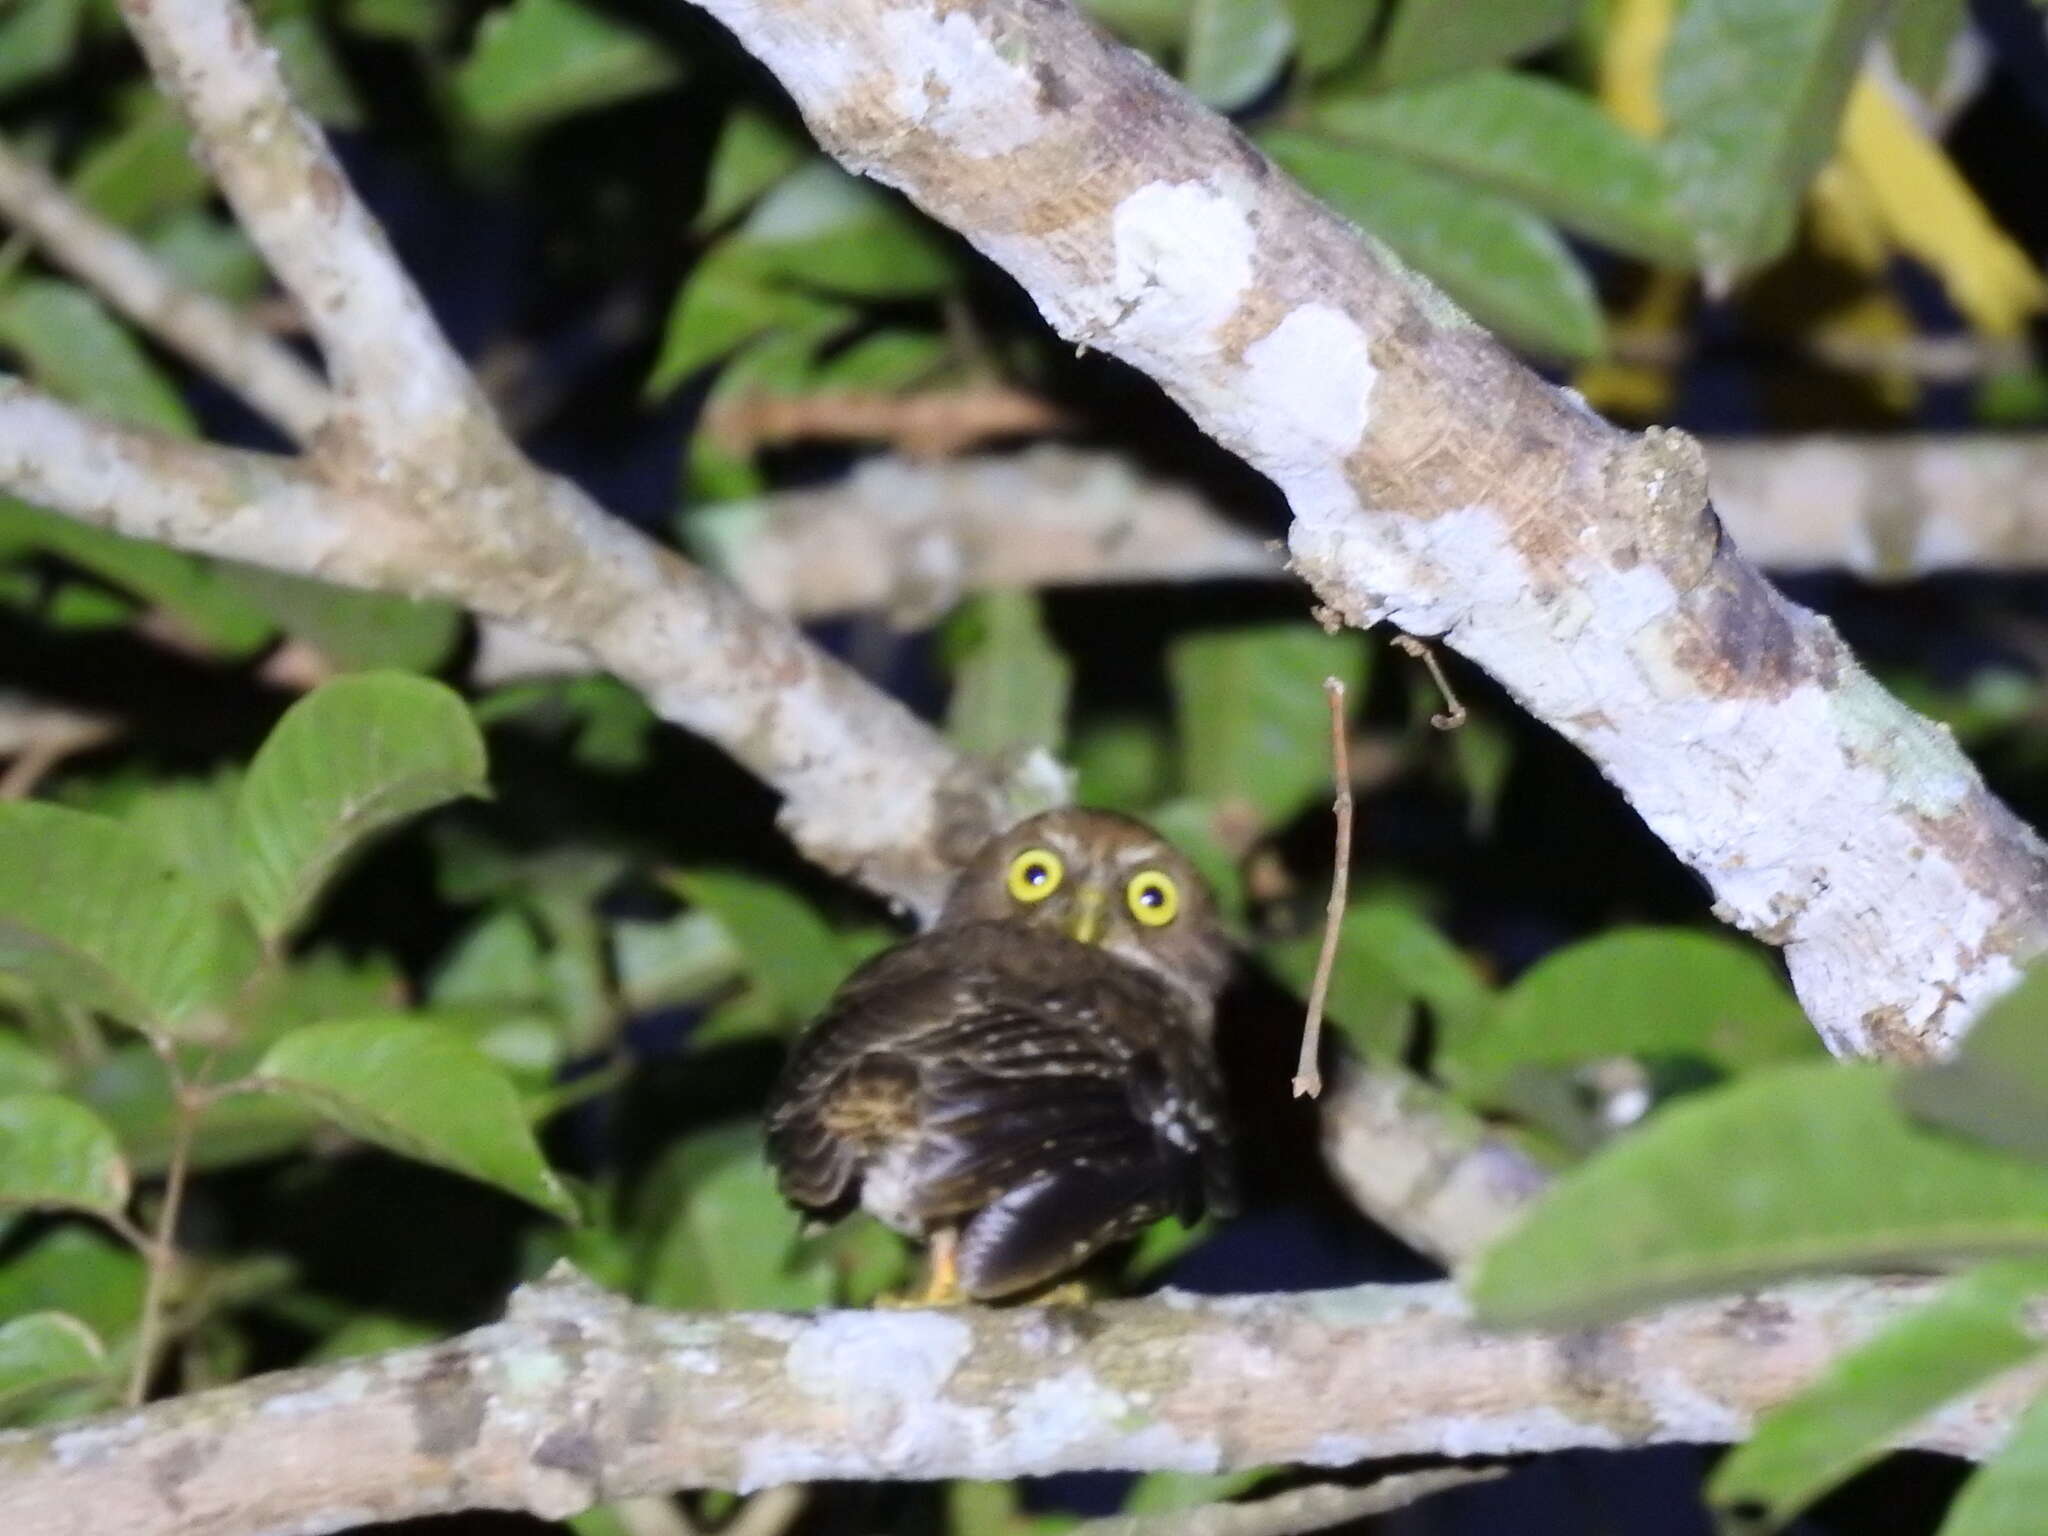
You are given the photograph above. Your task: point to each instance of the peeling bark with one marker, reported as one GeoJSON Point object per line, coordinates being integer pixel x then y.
{"type": "Point", "coordinates": [579, 1398]}
{"type": "Point", "coordinates": [1438, 484]}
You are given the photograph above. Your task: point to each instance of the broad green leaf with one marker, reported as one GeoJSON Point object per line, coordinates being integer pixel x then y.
{"type": "Point", "coordinates": [420, 22]}
{"type": "Point", "coordinates": [324, 984]}
{"type": "Point", "coordinates": [206, 252]}
{"type": "Point", "coordinates": [1429, 38]}
{"type": "Point", "coordinates": [25, 1068]}
{"type": "Point", "coordinates": [75, 1269]}
{"type": "Point", "coordinates": [1120, 764]}
{"type": "Point", "coordinates": [754, 153]}
{"type": "Point", "coordinates": [1494, 257]}
{"type": "Point", "coordinates": [316, 77]}
{"type": "Point", "coordinates": [191, 592]}
{"type": "Point", "coordinates": [1170, 1493]}
{"type": "Point", "coordinates": [357, 631]}
{"type": "Point", "coordinates": [719, 1236]}
{"type": "Point", "coordinates": [2008, 1495]}
{"type": "Point", "coordinates": [728, 302]}
{"type": "Point", "coordinates": [349, 760]}
{"type": "Point", "coordinates": [93, 913]}
{"type": "Point", "coordinates": [145, 169]}
{"type": "Point", "coordinates": [1010, 682]}
{"type": "Point", "coordinates": [1330, 32]}
{"type": "Point", "coordinates": [43, 1352]}
{"type": "Point", "coordinates": [1389, 958]}
{"type": "Point", "coordinates": [1155, 25]}
{"type": "Point", "coordinates": [884, 360]}
{"type": "Point", "coordinates": [36, 39]}
{"type": "Point", "coordinates": [192, 822]}
{"type": "Point", "coordinates": [370, 1333]}
{"type": "Point", "coordinates": [420, 1091]}
{"type": "Point", "coordinates": [791, 953]}
{"type": "Point", "coordinates": [70, 345]}
{"type": "Point", "coordinates": [1531, 139]}
{"type": "Point", "coordinates": [1788, 1171]}
{"type": "Point", "coordinates": [1922, 34]}
{"type": "Point", "coordinates": [1995, 1088]}
{"type": "Point", "coordinates": [1235, 49]}
{"type": "Point", "coordinates": [1668, 992]}
{"type": "Point", "coordinates": [539, 60]}
{"type": "Point", "coordinates": [498, 960]}
{"type": "Point", "coordinates": [1840, 1424]}
{"type": "Point", "coordinates": [1754, 90]}
{"type": "Point", "coordinates": [831, 230]}
{"type": "Point", "coordinates": [1253, 717]}
{"type": "Point", "coordinates": [54, 1152]}
{"type": "Point", "coordinates": [608, 722]}
{"type": "Point", "coordinates": [781, 362]}
{"type": "Point", "coordinates": [681, 960]}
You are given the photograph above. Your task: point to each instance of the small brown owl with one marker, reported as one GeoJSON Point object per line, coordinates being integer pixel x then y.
{"type": "Point", "coordinates": [1032, 1080]}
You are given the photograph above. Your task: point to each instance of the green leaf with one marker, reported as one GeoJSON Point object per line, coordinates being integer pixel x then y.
{"type": "Point", "coordinates": [1235, 49]}
{"type": "Point", "coordinates": [43, 1352]}
{"type": "Point", "coordinates": [1754, 90]}
{"type": "Point", "coordinates": [70, 345]}
{"type": "Point", "coordinates": [790, 951]}
{"type": "Point", "coordinates": [25, 1068]}
{"type": "Point", "coordinates": [1170, 1493]}
{"type": "Point", "coordinates": [1331, 31]}
{"type": "Point", "coordinates": [684, 959]}
{"type": "Point", "coordinates": [357, 631]}
{"type": "Point", "coordinates": [884, 360]}
{"type": "Point", "coordinates": [92, 913]}
{"type": "Point", "coordinates": [1788, 1171]}
{"type": "Point", "coordinates": [75, 1270]}
{"type": "Point", "coordinates": [206, 252]}
{"type": "Point", "coordinates": [830, 230]}
{"type": "Point", "coordinates": [192, 822]}
{"type": "Point", "coordinates": [1493, 256]}
{"type": "Point", "coordinates": [1253, 716]}
{"type": "Point", "coordinates": [539, 60]}
{"type": "Point", "coordinates": [1923, 33]}
{"type": "Point", "coordinates": [420, 1091]}
{"type": "Point", "coordinates": [193, 592]}
{"type": "Point", "coordinates": [1530, 139]}
{"type": "Point", "coordinates": [1428, 38]}
{"type": "Point", "coordinates": [131, 1092]}
{"type": "Point", "coordinates": [1995, 1088]}
{"type": "Point", "coordinates": [1849, 1418]}
{"type": "Point", "coordinates": [754, 152]}
{"type": "Point", "coordinates": [316, 77]}
{"type": "Point", "coordinates": [728, 302]}
{"type": "Point", "coordinates": [349, 760]}
{"type": "Point", "coordinates": [144, 170]}
{"type": "Point", "coordinates": [1154, 25]}
{"type": "Point", "coordinates": [1389, 958]}
{"type": "Point", "coordinates": [1120, 764]}
{"type": "Point", "coordinates": [54, 1152]}
{"type": "Point", "coordinates": [1659, 992]}
{"type": "Point", "coordinates": [719, 1236]}
{"type": "Point", "coordinates": [1010, 682]}
{"type": "Point", "coordinates": [2008, 1495]}
{"type": "Point", "coordinates": [36, 39]}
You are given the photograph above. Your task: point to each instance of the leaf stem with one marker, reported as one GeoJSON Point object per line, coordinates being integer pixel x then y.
{"type": "Point", "coordinates": [188, 1102]}
{"type": "Point", "coordinates": [1308, 1078]}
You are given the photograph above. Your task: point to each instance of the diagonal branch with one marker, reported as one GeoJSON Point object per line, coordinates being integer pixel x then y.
{"type": "Point", "coordinates": [579, 1397]}
{"type": "Point", "coordinates": [1438, 484]}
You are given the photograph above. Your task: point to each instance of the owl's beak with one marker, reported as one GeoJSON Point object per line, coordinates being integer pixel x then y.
{"type": "Point", "coordinates": [1089, 904]}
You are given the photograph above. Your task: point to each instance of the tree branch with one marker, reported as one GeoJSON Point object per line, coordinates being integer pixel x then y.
{"type": "Point", "coordinates": [579, 1397]}
{"type": "Point", "coordinates": [1438, 484]}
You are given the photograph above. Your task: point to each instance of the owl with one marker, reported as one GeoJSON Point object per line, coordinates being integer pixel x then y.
{"type": "Point", "coordinates": [1032, 1079]}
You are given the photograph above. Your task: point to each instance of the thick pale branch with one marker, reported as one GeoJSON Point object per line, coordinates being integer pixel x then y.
{"type": "Point", "coordinates": [579, 1397]}
{"type": "Point", "coordinates": [1437, 483]}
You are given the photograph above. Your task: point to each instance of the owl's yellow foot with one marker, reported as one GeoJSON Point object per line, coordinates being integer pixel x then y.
{"type": "Point", "coordinates": [941, 1286]}
{"type": "Point", "coordinates": [1068, 1293]}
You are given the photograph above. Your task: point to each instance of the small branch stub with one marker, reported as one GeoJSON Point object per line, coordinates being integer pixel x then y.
{"type": "Point", "coordinates": [1454, 714]}
{"type": "Point", "coordinates": [1308, 1078]}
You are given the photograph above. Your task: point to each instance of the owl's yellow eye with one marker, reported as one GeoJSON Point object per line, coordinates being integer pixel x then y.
{"type": "Point", "coordinates": [1035, 874]}
{"type": "Point", "coordinates": [1153, 898]}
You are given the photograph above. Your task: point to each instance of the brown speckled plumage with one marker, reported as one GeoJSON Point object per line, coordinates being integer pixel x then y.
{"type": "Point", "coordinates": [1043, 1096]}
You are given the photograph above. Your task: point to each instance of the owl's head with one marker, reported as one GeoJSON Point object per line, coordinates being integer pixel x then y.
{"type": "Point", "coordinates": [1102, 879]}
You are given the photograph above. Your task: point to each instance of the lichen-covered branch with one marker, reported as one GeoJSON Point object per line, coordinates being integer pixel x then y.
{"type": "Point", "coordinates": [579, 1397]}
{"type": "Point", "coordinates": [413, 486]}
{"type": "Point", "coordinates": [1438, 484]}
{"type": "Point", "coordinates": [1887, 507]}
{"type": "Point", "coordinates": [910, 539]}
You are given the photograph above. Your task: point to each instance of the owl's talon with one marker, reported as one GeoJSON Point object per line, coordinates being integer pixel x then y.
{"type": "Point", "coordinates": [941, 1280]}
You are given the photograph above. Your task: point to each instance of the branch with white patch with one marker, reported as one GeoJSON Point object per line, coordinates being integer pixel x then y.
{"type": "Point", "coordinates": [1438, 484]}
{"type": "Point", "coordinates": [579, 1397]}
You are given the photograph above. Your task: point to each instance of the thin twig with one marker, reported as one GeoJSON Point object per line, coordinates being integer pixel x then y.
{"type": "Point", "coordinates": [1424, 652]}
{"type": "Point", "coordinates": [186, 1106]}
{"type": "Point", "coordinates": [1308, 1079]}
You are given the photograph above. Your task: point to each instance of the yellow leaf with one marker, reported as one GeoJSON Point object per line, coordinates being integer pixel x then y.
{"type": "Point", "coordinates": [1641, 390]}
{"type": "Point", "coordinates": [1929, 212]}
{"type": "Point", "coordinates": [1874, 318]}
{"type": "Point", "coordinates": [1632, 63]}
{"type": "Point", "coordinates": [1846, 223]}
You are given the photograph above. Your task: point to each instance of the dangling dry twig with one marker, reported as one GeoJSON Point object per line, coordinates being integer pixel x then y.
{"type": "Point", "coordinates": [1424, 652]}
{"type": "Point", "coordinates": [1308, 1080]}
